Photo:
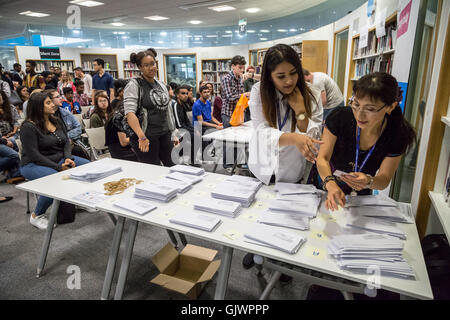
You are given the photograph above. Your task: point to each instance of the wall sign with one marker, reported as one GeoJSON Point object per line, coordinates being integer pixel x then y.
{"type": "Point", "coordinates": [243, 26]}
{"type": "Point", "coordinates": [404, 20]}
{"type": "Point", "coordinates": [49, 53]}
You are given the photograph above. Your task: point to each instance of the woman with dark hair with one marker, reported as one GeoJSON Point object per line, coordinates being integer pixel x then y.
{"type": "Point", "coordinates": [9, 119]}
{"type": "Point", "coordinates": [287, 117]}
{"type": "Point", "coordinates": [23, 92]}
{"type": "Point", "coordinates": [366, 141]}
{"type": "Point", "coordinates": [119, 87]}
{"type": "Point", "coordinates": [146, 102]}
{"type": "Point", "coordinates": [102, 109]}
{"type": "Point", "coordinates": [46, 149]}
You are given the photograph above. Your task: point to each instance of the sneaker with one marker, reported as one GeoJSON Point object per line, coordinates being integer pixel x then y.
{"type": "Point", "coordinates": [15, 180]}
{"type": "Point", "coordinates": [39, 222]}
{"type": "Point", "coordinates": [91, 210]}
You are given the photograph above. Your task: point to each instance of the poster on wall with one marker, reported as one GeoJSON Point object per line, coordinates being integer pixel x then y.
{"type": "Point", "coordinates": [380, 23]}
{"type": "Point", "coordinates": [363, 36]}
{"type": "Point", "coordinates": [404, 20]}
{"type": "Point", "coordinates": [47, 53]}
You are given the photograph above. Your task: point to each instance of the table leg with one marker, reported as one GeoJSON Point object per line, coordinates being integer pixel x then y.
{"type": "Point", "coordinates": [172, 238]}
{"type": "Point", "coordinates": [273, 281]}
{"type": "Point", "coordinates": [224, 273]}
{"type": "Point", "coordinates": [183, 239]}
{"type": "Point", "coordinates": [113, 219]}
{"type": "Point", "coordinates": [48, 236]}
{"type": "Point", "coordinates": [118, 230]}
{"type": "Point", "coordinates": [126, 260]}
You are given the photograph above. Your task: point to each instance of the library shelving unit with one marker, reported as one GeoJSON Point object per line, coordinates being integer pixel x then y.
{"type": "Point", "coordinates": [214, 69]}
{"type": "Point", "coordinates": [130, 70]}
{"type": "Point", "coordinates": [111, 65]}
{"type": "Point", "coordinates": [378, 55]}
{"type": "Point", "coordinates": [64, 65]}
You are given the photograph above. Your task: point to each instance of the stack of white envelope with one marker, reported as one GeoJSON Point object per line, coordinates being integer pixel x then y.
{"type": "Point", "coordinates": [221, 207]}
{"type": "Point", "coordinates": [245, 181]}
{"type": "Point", "coordinates": [195, 220]}
{"type": "Point", "coordinates": [285, 188]}
{"type": "Point", "coordinates": [94, 172]}
{"type": "Point", "coordinates": [287, 220]}
{"type": "Point", "coordinates": [191, 179]}
{"type": "Point", "coordinates": [275, 238]}
{"type": "Point", "coordinates": [244, 193]}
{"type": "Point", "coordinates": [187, 170]}
{"type": "Point", "coordinates": [155, 192]}
{"type": "Point", "coordinates": [182, 186]}
{"type": "Point", "coordinates": [306, 206]}
{"type": "Point", "coordinates": [392, 214]}
{"type": "Point", "coordinates": [370, 201]}
{"type": "Point", "coordinates": [135, 205]}
{"type": "Point", "coordinates": [375, 225]}
{"type": "Point", "coordinates": [367, 253]}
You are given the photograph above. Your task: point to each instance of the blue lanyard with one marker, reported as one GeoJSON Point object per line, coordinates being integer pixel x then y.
{"type": "Point", "coordinates": [357, 152]}
{"type": "Point", "coordinates": [281, 124]}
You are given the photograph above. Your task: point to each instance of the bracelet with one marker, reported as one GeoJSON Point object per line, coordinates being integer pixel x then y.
{"type": "Point", "coordinates": [370, 183]}
{"type": "Point", "coordinates": [143, 139]}
{"type": "Point", "coordinates": [326, 180]}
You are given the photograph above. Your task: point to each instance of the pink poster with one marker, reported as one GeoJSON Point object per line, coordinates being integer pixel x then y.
{"type": "Point", "coordinates": [404, 20]}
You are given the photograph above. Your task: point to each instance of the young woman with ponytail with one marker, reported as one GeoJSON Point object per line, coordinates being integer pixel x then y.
{"type": "Point", "coordinates": [366, 141]}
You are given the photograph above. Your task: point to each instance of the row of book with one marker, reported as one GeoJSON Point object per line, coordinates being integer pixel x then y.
{"type": "Point", "coordinates": [89, 65]}
{"type": "Point", "coordinates": [45, 66]}
{"type": "Point", "coordinates": [377, 45]}
{"type": "Point", "coordinates": [374, 64]}
{"type": "Point", "coordinates": [129, 65]}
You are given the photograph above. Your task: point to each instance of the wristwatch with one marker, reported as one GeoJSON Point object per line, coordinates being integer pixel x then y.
{"type": "Point", "coordinates": [326, 180]}
{"type": "Point", "coordinates": [301, 116]}
{"type": "Point", "coordinates": [370, 183]}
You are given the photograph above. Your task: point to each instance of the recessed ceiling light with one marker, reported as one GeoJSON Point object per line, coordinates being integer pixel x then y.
{"type": "Point", "coordinates": [76, 31]}
{"type": "Point", "coordinates": [163, 33]}
{"type": "Point", "coordinates": [292, 30]}
{"type": "Point", "coordinates": [87, 3]}
{"type": "Point", "coordinates": [156, 18]}
{"type": "Point", "coordinates": [226, 35]}
{"type": "Point", "coordinates": [211, 36]}
{"type": "Point", "coordinates": [282, 30]}
{"type": "Point", "coordinates": [228, 31]}
{"type": "Point", "coordinates": [103, 44]}
{"type": "Point", "coordinates": [196, 39]}
{"type": "Point", "coordinates": [34, 14]}
{"type": "Point", "coordinates": [264, 31]}
{"type": "Point", "coordinates": [121, 32]}
{"type": "Point", "coordinates": [222, 8]}
{"type": "Point", "coordinates": [195, 22]}
{"type": "Point", "coordinates": [253, 10]}
{"type": "Point", "coordinates": [124, 37]}
{"type": "Point", "coordinates": [263, 39]}
{"type": "Point", "coordinates": [117, 24]}
{"type": "Point", "coordinates": [251, 31]}
{"type": "Point", "coordinates": [160, 42]}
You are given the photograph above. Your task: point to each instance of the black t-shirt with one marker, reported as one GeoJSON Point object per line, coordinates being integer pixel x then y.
{"type": "Point", "coordinates": [341, 123]}
{"type": "Point", "coordinates": [156, 102]}
{"type": "Point", "coordinates": [111, 134]}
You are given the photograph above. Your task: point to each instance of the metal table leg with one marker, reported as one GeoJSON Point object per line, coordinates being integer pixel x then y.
{"type": "Point", "coordinates": [118, 230]}
{"type": "Point", "coordinates": [48, 237]}
{"type": "Point", "coordinates": [172, 238]}
{"type": "Point", "coordinates": [113, 218]}
{"type": "Point", "coordinates": [183, 239]}
{"type": "Point", "coordinates": [126, 260]}
{"type": "Point", "coordinates": [224, 273]}
{"type": "Point", "coordinates": [273, 280]}
{"type": "Point", "coordinates": [28, 203]}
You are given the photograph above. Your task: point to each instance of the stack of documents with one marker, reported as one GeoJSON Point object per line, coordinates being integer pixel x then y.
{"type": "Point", "coordinates": [135, 205]}
{"type": "Point", "coordinates": [191, 179]}
{"type": "Point", "coordinates": [392, 214]}
{"type": "Point", "coordinates": [246, 181]}
{"type": "Point", "coordinates": [364, 201]}
{"type": "Point", "coordinates": [361, 252]}
{"type": "Point", "coordinates": [236, 191]}
{"type": "Point", "coordinates": [95, 172]}
{"type": "Point", "coordinates": [275, 238]}
{"type": "Point", "coordinates": [306, 206]}
{"type": "Point", "coordinates": [155, 192]}
{"type": "Point", "coordinates": [288, 220]}
{"type": "Point", "coordinates": [285, 188]}
{"type": "Point", "coordinates": [187, 170]}
{"type": "Point", "coordinates": [195, 220]}
{"type": "Point", "coordinates": [220, 207]}
{"type": "Point", "coordinates": [181, 186]}
{"type": "Point", "coordinates": [375, 225]}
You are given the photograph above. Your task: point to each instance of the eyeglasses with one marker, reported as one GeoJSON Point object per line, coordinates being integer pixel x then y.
{"type": "Point", "coordinates": [57, 97]}
{"type": "Point", "coordinates": [369, 110]}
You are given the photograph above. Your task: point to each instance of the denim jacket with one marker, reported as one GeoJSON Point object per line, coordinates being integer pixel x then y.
{"type": "Point", "coordinates": [72, 124]}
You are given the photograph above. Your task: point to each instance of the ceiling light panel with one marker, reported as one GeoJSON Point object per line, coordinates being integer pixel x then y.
{"type": "Point", "coordinates": [34, 14]}
{"type": "Point", "coordinates": [222, 8]}
{"type": "Point", "coordinates": [87, 3]}
{"type": "Point", "coordinates": [156, 18]}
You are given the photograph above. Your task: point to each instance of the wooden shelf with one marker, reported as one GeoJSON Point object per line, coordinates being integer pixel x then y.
{"type": "Point", "coordinates": [442, 210]}
{"type": "Point", "coordinates": [446, 120]}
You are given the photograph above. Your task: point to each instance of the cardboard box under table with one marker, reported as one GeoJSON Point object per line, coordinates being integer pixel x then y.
{"type": "Point", "coordinates": [186, 272]}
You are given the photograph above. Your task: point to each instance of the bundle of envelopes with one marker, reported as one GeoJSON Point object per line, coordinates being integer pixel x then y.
{"type": "Point", "coordinates": [246, 181]}
{"type": "Point", "coordinates": [306, 206]}
{"type": "Point", "coordinates": [285, 188]}
{"type": "Point", "coordinates": [135, 205]}
{"type": "Point", "coordinates": [287, 220]}
{"type": "Point", "coordinates": [196, 220]}
{"type": "Point", "coordinates": [275, 238]}
{"type": "Point", "coordinates": [243, 192]}
{"type": "Point", "coordinates": [221, 207]}
{"type": "Point", "coordinates": [187, 170]}
{"type": "Point", "coordinates": [151, 191]}
{"type": "Point", "coordinates": [375, 225]}
{"type": "Point", "coordinates": [181, 186]}
{"type": "Point", "coordinates": [371, 200]}
{"type": "Point", "coordinates": [94, 172]}
{"type": "Point", "coordinates": [191, 179]}
{"type": "Point", "coordinates": [361, 252]}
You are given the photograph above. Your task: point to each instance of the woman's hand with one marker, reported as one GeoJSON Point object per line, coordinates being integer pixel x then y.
{"type": "Point", "coordinates": [356, 180]}
{"type": "Point", "coordinates": [296, 101]}
{"type": "Point", "coordinates": [335, 196]}
{"type": "Point", "coordinates": [68, 163]}
{"type": "Point", "coordinates": [144, 144]}
{"type": "Point", "coordinates": [176, 141]}
{"type": "Point", "coordinates": [306, 146]}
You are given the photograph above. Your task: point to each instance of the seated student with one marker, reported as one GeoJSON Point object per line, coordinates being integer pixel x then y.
{"type": "Point", "coordinates": [65, 82]}
{"type": "Point", "coordinates": [217, 106]}
{"type": "Point", "coordinates": [200, 84]}
{"type": "Point", "coordinates": [9, 119]}
{"type": "Point", "coordinates": [171, 119]}
{"type": "Point", "coordinates": [102, 109]}
{"type": "Point", "coordinates": [367, 140]}
{"type": "Point", "coordinates": [119, 86]}
{"type": "Point", "coordinates": [201, 112]}
{"type": "Point", "coordinates": [191, 100]}
{"type": "Point", "coordinates": [46, 149]}
{"type": "Point", "coordinates": [68, 103]}
{"type": "Point", "coordinates": [25, 104]}
{"type": "Point", "coordinates": [79, 96]}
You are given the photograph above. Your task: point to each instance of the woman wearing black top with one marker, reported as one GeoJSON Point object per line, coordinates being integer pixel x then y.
{"type": "Point", "coordinates": [46, 149]}
{"type": "Point", "coordinates": [146, 101]}
{"type": "Point", "coordinates": [366, 141]}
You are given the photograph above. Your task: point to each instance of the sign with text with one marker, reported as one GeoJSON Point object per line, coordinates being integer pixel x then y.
{"type": "Point", "coordinates": [49, 53]}
{"type": "Point", "coordinates": [363, 37]}
{"type": "Point", "coordinates": [242, 26]}
{"type": "Point", "coordinates": [404, 20]}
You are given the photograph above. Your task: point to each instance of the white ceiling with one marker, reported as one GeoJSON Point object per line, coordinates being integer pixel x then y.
{"type": "Point", "coordinates": [136, 10]}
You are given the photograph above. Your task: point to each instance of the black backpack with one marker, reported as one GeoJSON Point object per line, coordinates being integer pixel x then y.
{"type": "Point", "coordinates": [66, 213]}
{"type": "Point", "coordinates": [436, 252]}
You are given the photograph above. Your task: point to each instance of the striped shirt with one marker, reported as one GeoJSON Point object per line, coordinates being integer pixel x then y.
{"type": "Point", "coordinates": [232, 88]}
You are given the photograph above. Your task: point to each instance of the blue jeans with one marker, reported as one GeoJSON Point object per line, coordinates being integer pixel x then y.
{"type": "Point", "coordinates": [9, 160]}
{"type": "Point", "coordinates": [33, 171]}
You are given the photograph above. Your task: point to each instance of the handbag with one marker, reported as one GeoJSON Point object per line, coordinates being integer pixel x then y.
{"type": "Point", "coordinates": [139, 114]}
{"type": "Point", "coordinates": [237, 118]}
{"type": "Point", "coordinates": [66, 213]}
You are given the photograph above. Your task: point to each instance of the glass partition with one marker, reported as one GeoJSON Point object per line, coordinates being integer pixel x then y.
{"type": "Point", "coordinates": [181, 69]}
{"type": "Point", "coordinates": [340, 58]}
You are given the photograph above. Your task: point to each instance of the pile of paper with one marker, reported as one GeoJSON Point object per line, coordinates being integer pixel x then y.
{"type": "Point", "coordinates": [392, 214]}
{"type": "Point", "coordinates": [221, 207]}
{"type": "Point", "coordinates": [134, 205]}
{"type": "Point", "coordinates": [195, 220]}
{"type": "Point", "coordinates": [236, 191]}
{"type": "Point", "coordinates": [155, 192]}
{"type": "Point", "coordinates": [287, 220]}
{"type": "Point", "coordinates": [246, 181]}
{"type": "Point", "coordinates": [275, 238]}
{"type": "Point", "coordinates": [187, 170]}
{"type": "Point", "coordinates": [360, 252]}
{"type": "Point", "coordinates": [94, 172]}
{"type": "Point", "coordinates": [375, 225]}
{"type": "Point", "coordinates": [191, 179]}
{"type": "Point", "coordinates": [364, 201]}
{"type": "Point", "coordinates": [307, 206]}
{"type": "Point", "coordinates": [181, 186]}
{"type": "Point", "coordinates": [285, 188]}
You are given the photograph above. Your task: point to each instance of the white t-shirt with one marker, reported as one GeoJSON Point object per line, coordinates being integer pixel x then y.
{"type": "Point", "coordinates": [87, 84]}
{"type": "Point", "coordinates": [323, 82]}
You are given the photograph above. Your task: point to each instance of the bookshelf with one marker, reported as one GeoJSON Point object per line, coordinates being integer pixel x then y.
{"type": "Point", "coordinates": [378, 55]}
{"type": "Point", "coordinates": [111, 65]}
{"type": "Point", "coordinates": [261, 53]}
{"type": "Point", "coordinates": [64, 65]}
{"type": "Point", "coordinates": [213, 70]}
{"type": "Point", "coordinates": [130, 70]}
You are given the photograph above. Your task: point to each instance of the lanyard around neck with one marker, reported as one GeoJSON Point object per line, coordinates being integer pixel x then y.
{"type": "Point", "coordinates": [358, 137]}
{"type": "Point", "coordinates": [286, 115]}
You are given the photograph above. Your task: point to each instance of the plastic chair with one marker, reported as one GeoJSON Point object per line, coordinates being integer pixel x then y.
{"type": "Point", "coordinates": [96, 138]}
{"type": "Point", "coordinates": [85, 109]}
{"type": "Point", "coordinates": [86, 123]}
{"type": "Point", "coordinates": [80, 119]}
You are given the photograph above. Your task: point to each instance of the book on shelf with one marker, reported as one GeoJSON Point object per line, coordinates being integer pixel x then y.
{"type": "Point", "coordinates": [378, 63]}
{"type": "Point", "coordinates": [224, 66]}
{"type": "Point", "coordinates": [209, 66]}
{"type": "Point", "coordinates": [377, 46]}
{"type": "Point", "coordinates": [446, 190]}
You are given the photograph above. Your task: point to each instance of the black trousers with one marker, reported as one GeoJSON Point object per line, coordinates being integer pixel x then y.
{"type": "Point", "coordinates": [160, 150]}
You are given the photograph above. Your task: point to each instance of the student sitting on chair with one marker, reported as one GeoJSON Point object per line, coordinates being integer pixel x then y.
{"type": "Point", "coordinates": [102, 109]}
{"type": "Point", "coordinates": [68, 103]}
{"type": "Point", "coordinates": [201, 111]}
{"type": "Point", "coordinates": [79, 95]}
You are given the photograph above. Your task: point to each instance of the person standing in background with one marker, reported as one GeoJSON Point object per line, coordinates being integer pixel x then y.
{"type": "Point", "coordinates": [102, 80]}
{"type": "Point", "coordinates": [248, 84]}
{"type": "Point", "coordinates": [331, 95]}
{"type": "Point", "coordinates": [66, 82]}
{"type": "Point", "coordinates": [33, 80]}
{"type": "Point", "coordinates": [190, 101]}
{"type": "Point", "coordinates": [86, 78]}
{"type": "Point", "coordinates": [18, 74]}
